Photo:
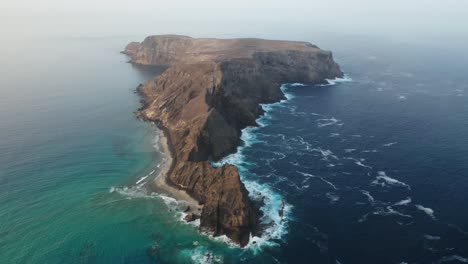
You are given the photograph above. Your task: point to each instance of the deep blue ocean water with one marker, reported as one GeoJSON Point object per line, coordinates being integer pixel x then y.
{"type": "Point", "coordinates": [371, 170]}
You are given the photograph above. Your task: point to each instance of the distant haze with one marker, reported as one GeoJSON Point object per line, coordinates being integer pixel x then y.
{"type": "Point", "coordinates": [412, 19]}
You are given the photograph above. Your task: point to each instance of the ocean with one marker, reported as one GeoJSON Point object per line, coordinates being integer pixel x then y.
{"type": "Point", "coordinates": [371, 168]}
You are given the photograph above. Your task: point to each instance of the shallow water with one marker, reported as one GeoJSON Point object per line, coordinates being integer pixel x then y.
{"type": "Point", "coordinates": [371, 170]}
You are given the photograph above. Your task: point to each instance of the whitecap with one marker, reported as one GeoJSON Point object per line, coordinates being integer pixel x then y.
{"type": "Point", "coordinates": [426, 210]}
{"type": "Point", "coordinates": [383, 180]}
{"type": "Point", "coordinates": [389, 144]}
{"type": "Point", "coordinates": [403, 202]}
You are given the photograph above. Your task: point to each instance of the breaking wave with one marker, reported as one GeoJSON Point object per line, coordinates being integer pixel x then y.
{"type": "Point", "coordinates": [345, 78]}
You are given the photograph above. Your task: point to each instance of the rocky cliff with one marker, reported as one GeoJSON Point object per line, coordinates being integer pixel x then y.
{"type": "Point", "coordinates": [211, 90]}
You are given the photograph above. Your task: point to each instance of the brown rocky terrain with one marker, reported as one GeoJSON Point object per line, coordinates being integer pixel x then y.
{"type": "Point", "coordinates": [211, 90]}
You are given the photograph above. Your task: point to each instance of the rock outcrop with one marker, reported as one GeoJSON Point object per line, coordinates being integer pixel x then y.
{"type": "Point", "coordinates": [211, 90]}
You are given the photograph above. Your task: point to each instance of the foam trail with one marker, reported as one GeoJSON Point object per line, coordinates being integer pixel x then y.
{"type": "Point", "coordinates": [389, 144]}
{"type": "Point", "coordinates": [383, 180]}
{"type": "Point", "coordinates": [453, 258]}
{"type": "Point", "coordinates": [359, 162]}
{"type": "Point", "coordinates": [323, 122]}
{"type": "Point", "coordinates": [404, 202]}
{"type": "Point", "coordinates": [369, 196]}
{"type": "Point", "coordinates": [385, 212]}
{"type": "Point", "coordinates": [144, 177]}
{"type": "Point", "coordinates": [426, 210]}
{"type": "Point", "coordinates": [318, 177]}
{"type": "Point", "coordinates": [326, 154]}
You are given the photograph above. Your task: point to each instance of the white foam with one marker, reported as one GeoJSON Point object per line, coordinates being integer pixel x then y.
{"type": "Point", "coordinates": [144, 177]}
{"type": "Point", "coordinates": [369, 196]}
{"type": "Point", "coordinates": [403, 202]}
{"type": "Point", "coordinates": [359, 162]}
{"type": "Point", "coordinates": [333, 197]}
{"type": "Point", "coordinates": [326, 154]}
{"type": "Point", "coordinates": [383, 180]}
{"type": "Point", "coordinates": [426, 210]}
{"type": "Point", "coordinates": [323, 122]}
{"type": "Point", "coordinates": [133, 192]}
{"type": "Point", "coordinates": [402, 97]}
{"type": "Point", "coordinates": [430, 237]}
{"type": "Point", "coordinates": [318, 177]}
{"type": "Point", "coordinates": [349, 150]}
{"type": "Point", "coordinates": [201, 255]}
{"type": "Point", "coordinates": [273, 202]}
{"type": "Point", "coordinates": [337, 80]}
{"type": "Point", "coordinates": [389, 144]}
{"type": "Point", "coordinates": [391, 211]}
{"type": "Point", "coordinates": [387, 211]}
{"type": "Point", "coordinates": [454, 258]}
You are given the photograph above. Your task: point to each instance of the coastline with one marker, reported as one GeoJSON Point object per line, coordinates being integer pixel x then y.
{"type": "Point", "coordinates": [161, 184]}
{"type": "Point", "coordinates": [201, 99]}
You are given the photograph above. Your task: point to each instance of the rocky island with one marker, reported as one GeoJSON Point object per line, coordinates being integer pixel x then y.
{"type": "Point", "coordinates": [211, 90]}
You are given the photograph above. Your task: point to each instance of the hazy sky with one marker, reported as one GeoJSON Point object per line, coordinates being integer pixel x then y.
{"type": "Point", "coordinates": [265, 18]}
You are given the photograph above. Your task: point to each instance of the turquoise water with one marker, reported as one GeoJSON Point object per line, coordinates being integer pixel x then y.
{"type": "Point", "coordinates": [67, 136]}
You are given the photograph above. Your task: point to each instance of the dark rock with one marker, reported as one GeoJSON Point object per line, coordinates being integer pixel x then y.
{"type": "Point", "coordinates": [191, 217]}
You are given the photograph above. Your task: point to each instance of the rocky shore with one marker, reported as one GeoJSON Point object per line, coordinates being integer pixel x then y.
{"type": "Point", "coordinates": [210, 91]}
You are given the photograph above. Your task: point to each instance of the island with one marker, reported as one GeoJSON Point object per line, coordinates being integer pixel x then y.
{"type": "Point", "coordinates": [210, 90]}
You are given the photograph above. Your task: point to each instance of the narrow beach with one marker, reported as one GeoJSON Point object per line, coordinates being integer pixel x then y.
{"type": "Point", "coordinates": [160, 182]}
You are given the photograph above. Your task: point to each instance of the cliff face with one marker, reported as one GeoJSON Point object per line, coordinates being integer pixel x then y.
{"type": "Point", "coordinates": [211, 90]}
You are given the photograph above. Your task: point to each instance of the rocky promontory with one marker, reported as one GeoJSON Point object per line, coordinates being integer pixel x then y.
{"type": "Point", "coordinates": [210, 91]}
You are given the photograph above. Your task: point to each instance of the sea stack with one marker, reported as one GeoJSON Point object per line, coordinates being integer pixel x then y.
{"type": "Point", "coordinates": [210, 91]}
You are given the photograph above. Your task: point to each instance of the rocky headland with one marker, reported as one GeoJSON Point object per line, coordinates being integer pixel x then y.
{"type": "Point", "coordinates": [210, 91]}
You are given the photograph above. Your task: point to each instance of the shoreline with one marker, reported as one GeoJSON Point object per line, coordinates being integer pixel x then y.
{"type": "Point", "coordinates": [161, 184]}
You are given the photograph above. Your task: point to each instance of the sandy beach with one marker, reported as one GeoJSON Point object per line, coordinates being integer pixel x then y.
{"type": "Point", "coordinates": [160, 182]}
